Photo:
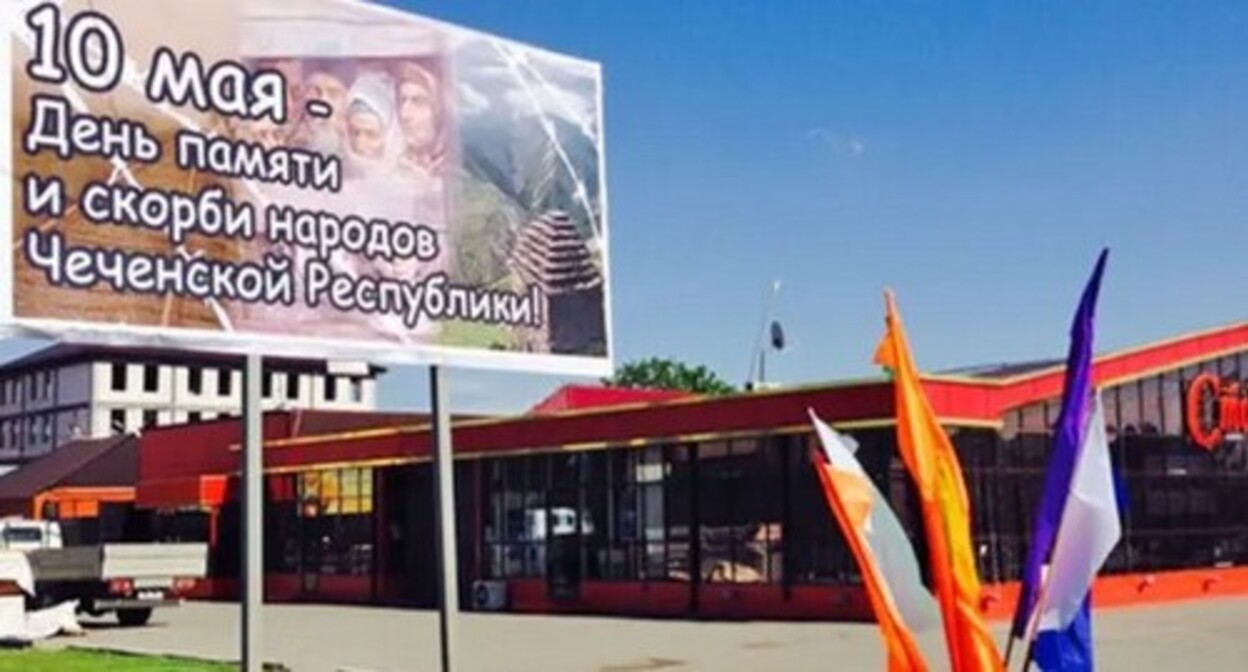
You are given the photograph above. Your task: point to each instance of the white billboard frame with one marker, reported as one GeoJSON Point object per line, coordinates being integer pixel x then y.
{"type": "Point", "coordinates": [249, 342]}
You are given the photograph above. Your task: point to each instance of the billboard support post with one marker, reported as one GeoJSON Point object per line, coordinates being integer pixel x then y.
{"type": "Point", "coordinates": [444, 515]}
{"type": "Point", "coordinates": [253, 517]}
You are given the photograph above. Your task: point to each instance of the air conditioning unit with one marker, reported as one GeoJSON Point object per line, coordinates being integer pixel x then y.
{"type": "Point", "coordinates": [489, 595]}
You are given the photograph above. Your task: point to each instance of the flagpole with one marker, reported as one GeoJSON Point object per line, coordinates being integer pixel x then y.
{"type": "Point", "coordinates": [1009, 649]}
{"type": "Point", "coordinates": [1033, 623]}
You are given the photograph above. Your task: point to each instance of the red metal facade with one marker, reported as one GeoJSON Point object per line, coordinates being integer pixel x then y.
{"type": "Point", "coordinates": [194, 465]}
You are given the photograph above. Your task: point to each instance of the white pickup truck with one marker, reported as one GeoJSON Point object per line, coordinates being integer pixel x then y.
{"type": "Point", "coordinates": [129, 579]}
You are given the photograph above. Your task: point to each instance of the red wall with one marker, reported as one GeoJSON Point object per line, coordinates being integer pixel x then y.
{"type": "Point", "coordinates": [848, 603]}
{"type": "Point", "coordinates": [202, 449]}
{"type": "Point", "coordinates": [286, 588]}
{"type": "Point", "coordinates": [745, 413]}
{"type": "Point", "coordinates": [751, 601]}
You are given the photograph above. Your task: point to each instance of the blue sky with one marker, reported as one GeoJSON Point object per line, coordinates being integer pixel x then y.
{"type": "Point", "coordinates": [972, 157]}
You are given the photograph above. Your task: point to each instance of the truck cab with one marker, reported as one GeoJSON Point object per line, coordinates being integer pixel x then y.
{"type": "Point", "coordinates": [19, 534]}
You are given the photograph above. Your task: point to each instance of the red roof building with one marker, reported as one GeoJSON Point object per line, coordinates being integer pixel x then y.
{"type": "Point", "coordinates": [588, 397]}
{"type": "Point", "coordinates": [708, 506]}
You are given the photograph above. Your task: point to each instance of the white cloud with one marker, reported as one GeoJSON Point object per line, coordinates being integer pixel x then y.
{"type": "Point", "coordinates": [846, 144]}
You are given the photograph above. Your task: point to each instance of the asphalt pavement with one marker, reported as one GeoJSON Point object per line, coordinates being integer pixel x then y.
{"type": "Point", "coordinates": [1209, 636]}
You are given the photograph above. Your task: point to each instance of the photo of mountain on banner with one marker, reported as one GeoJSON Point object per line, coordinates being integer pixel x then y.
{"type": "Point", "coordinates": [307, 174]}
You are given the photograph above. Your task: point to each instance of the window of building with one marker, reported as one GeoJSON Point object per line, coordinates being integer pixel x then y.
{"type": "Point", "coordinates": [629, 515]}
{"type": "Point", "coordinates": [34, 388]}
{"type": "Point", "coordinates": [150, 418]}
{"type": "Point", "coordinates": [330, 515]}
{"type": "Point", "coordinates": [1172, 404]}
{"type": "Point", "coordinates": [4, 393]}
{"type": "Point", "coordinates": [46, 429]}
{"type": "Point", "coordinates": [266, 385]}
{"type": "Point", "coordinates": [32, 430]}
{"type": "Point", "coordinates": [292, 385]}
{"type": "Point", "coordinates": [151, 378]}
{"type": "Point", "coordinates": [741, 505]}
{"type": "Point", "coordinates": [1129, 407]}
{"type": "Point", "coordinates": [331, 388]}
{"type": "Point", "coordinates": [517, 521]}
{"type": "Point", "coordinates": [282, 524]}
{"type": "Point", "coordinates": [195, 380]}
{"type": "Point", "coordinates": [118, 376]}
{"type": "Point", "coordinates": [48, 378]}
{"type": "Point", "coordinates": [117, 421]}
{"type": "Point", "coordinates": [194, 417]}
{"type": "Point", "coordinates": [1151, 409]}
{"type": "Point", "coordinates": [225, 380]}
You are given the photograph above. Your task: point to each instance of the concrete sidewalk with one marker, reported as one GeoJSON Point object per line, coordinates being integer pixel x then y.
{"type": "Point", "coordinates": [1209, 636]}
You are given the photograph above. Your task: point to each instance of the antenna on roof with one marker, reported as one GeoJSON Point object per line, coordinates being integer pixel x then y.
{"type": "Point", "coordinates": [770, 337]}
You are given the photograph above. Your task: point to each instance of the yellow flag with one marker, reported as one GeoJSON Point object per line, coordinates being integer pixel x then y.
{"type": "Point", "coordinates": [930, 458]}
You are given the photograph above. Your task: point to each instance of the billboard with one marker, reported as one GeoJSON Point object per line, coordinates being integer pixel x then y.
{"type": "Point", "coordinates": [322, 177]}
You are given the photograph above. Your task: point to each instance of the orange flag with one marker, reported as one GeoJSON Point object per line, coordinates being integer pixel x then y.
{"type": "Point", "coordinates": [890, 572]}
{"type": "Point", "coordinates": [930, 458]}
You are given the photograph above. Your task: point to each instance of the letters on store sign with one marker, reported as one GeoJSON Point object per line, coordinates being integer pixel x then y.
{"type": "Point", "coordinates": [1230, 410]}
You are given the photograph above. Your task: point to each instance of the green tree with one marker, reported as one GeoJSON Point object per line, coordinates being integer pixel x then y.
{"type": "Point", "coordinates": [666, 374]}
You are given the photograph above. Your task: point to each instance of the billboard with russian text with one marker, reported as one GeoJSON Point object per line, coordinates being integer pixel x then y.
{"type": "Point", "coordinates": [322, 177]}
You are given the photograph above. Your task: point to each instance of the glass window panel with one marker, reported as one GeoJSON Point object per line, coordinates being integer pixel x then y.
{"type": "Point", "coordinates": [712, 450]}
{"type": "Point", "coordinates": [350, 482]}
{"type": "Point", "coordinates": [331, 486]}
{"type": "Point", "coordinates": [1228, 367]}
{"type": "Point", "coordinates": [311, 484]}
{"type": "Point", "coordinates": [1172, 404]}
{"type": "Point", "coordinates": [1129, 407]}
{"type": "Point", "coordinates": [1010, 426]}
{"type": "Point", "coordinates": [1109, 398]}
{"type": "Point", "coordinates": [1052, 412]}
{"type": "Point", "coordinates": [1151, 407]}
{"type": "Point", "coordinates": [1033, 420]}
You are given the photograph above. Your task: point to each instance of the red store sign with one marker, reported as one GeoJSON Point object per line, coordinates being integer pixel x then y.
{"type": "Point", "coordinates": [1230, 410]}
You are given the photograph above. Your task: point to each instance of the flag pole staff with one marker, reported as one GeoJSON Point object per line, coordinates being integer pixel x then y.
{"type": "Point", "coordinates": [1033, 623]}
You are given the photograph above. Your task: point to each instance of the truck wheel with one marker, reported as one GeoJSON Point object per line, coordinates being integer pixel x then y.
{"type": "Point", "coordinates": [133, 618]}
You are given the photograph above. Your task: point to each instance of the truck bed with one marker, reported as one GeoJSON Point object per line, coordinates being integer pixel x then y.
{"type": "Point", "coordinates": [120, 561]}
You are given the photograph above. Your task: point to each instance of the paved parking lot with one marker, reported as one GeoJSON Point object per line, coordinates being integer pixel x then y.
{"type": "Point", "coordinates": [1210, 636]}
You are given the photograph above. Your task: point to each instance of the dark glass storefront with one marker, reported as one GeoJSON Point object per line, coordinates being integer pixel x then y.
{"type": "Point", "coordinates": [1183, 506]}
{"type": "Point", "coordinates": [749, 509]}
{"type": "Point", "coordinates": [732, 512]}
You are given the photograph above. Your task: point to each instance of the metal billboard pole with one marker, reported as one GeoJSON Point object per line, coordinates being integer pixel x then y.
{"type": "Point", "coordinates": [252, 566]}
{"type": "Point", "coordinates": [444, 519]}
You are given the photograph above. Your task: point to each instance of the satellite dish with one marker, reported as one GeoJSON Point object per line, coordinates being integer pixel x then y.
{"type": "Point", "coordinates": [777, 336]}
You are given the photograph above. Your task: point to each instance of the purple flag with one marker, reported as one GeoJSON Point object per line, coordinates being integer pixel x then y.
{"type": "Point", "coordinates": [1071, 426]}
